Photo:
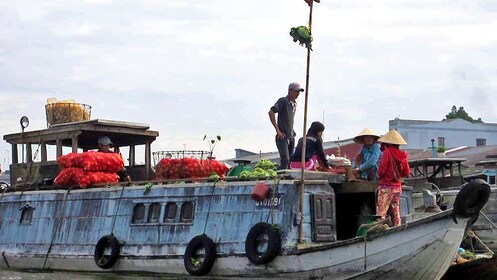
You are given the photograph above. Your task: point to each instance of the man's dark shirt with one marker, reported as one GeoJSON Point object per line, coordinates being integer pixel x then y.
{"type": "Point", "coordinates": [286, 113]}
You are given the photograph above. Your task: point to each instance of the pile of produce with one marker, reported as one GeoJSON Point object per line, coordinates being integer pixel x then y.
{"type": "Point", "coordinates": [65, 111]}
{"type": "Point", "coordinates": [187, 168]}
{"type": "Point", "coordinates": [89, 168]}
{"type": "Point", "coordinates": [263, 168]}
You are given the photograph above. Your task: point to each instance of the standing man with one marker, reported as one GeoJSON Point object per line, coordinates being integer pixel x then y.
{"type": "Point", "coordinates": [285, 135]}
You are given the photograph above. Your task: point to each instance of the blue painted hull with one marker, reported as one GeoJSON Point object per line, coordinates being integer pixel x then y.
{"type": "Point", "coordinates": [66, 225]}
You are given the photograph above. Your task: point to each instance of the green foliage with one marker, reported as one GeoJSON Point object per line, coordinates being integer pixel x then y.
{"type": "Point", "coordinates": [461, 114]}
{"type": "Point", "coordinates": [212, 143]}
{"type": "Point", "coordinates": [303, 35]}
{"type": "Point", "coordinates": [441, 149]}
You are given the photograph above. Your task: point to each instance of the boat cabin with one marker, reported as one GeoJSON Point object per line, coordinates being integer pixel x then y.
{"type": "Point", "coordinates": [438, 171]}
{"type": "Point", "coordinates": [79, 137]}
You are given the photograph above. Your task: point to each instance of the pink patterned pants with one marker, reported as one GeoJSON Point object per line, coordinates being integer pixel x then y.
{"type": "Point", "coordinates": [389, 198]}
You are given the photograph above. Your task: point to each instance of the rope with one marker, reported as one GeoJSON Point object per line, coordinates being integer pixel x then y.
{"type": "Point", "coordinates": [210, 202]}
{"type": "Point", "coordinates": [271, 203]}
{"type": "Point", "coordinates": [365, 252]}
{"type": "Point", "coordinates": [472, 234]}
{"type": "Point", "coordinates": [117, 210]}
{"type": "Point", "coordinates": [488, 219]}
{"type": "Point", "coordinates": [5, 259]}
{"type": "Point", "coordinates": [56, 226]}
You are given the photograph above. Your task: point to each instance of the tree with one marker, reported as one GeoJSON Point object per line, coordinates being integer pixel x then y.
{"type": "Point", "coordinates": [461, 114]}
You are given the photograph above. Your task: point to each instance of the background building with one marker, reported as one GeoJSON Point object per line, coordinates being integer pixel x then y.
{"type": "Point", "coordinates": [448, 133]}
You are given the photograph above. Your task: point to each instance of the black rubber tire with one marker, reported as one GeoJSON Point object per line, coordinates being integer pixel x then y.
{"type": "Point", "coordinates": [471, 198]}
{"type": "Point", "coordinates": [197, 243]}
{"type": "Point", "coordinates": [104, 242]}
{"type": "Point", "coordinates": [273, 245]}
{"type": "Point", "coordinates": [473, 220]}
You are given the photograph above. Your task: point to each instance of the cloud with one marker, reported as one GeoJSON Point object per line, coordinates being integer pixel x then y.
{"type": "Point", "coordinates": [215, 67]}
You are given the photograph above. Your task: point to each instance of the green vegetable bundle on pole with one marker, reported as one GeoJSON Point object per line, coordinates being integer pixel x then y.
{"type": "Point", "coordinates": [303, 35]}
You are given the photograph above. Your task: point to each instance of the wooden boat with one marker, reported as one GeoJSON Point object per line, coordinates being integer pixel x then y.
{"type": "Point", "coordinates": [206, 227]}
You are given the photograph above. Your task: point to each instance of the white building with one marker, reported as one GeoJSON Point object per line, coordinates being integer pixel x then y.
{"type": "Point", "coordinates": [449, 133]}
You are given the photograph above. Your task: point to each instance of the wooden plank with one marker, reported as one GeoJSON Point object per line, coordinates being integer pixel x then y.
{"type": "Point", "coordinates": [74, 143]}
{"type": "Point", "coordinates": [44, 137]}
{"type": "Point", "coordinates": [355, 187]}
{"type": "Point", "coordinates": [132, 160]}
{"type": "Point", "coordinates": [148, 160]}
{"type": "Point", "coordinates": [59, 148]}
{"type": "Point", "coordinates": [29, 153]}
{"type": "Point", "coordinates": [52, 134]}
{"type": "Point", "coordinates": [43, 152]}
{"type": "Point", "coordinates": [15, 157]}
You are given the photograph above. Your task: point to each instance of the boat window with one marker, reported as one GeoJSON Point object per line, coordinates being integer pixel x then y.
{"type": "Point", "coordinates": [186, 215]}
{"type": "Point", "coordinates": [170, 215]}
{"type": "Point", "coordinates": [138, 213]}
{"type": "Point", "coordinates": [491, 180]}
{"type": "Point", "coordinates": [153, 213]}
{"type": "Point", "coordinates": [27, 215]}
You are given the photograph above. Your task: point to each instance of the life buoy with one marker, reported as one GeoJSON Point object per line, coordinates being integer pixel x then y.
{"type": "Point", "coordinates": [263, 243]}
{"type": "Point", "coordinates": [101, 259]}
{"type": "Point", "coordinates": [195, 264]}
{"type": "Point", "coordinates": [471, 198]}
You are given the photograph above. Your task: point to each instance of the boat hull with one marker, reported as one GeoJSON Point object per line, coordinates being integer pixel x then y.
{"type": "Point", "coordinates": [423, 249]}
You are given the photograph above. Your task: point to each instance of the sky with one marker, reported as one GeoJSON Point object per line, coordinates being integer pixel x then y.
{"type": "Point", "coordinates": [195, 68]}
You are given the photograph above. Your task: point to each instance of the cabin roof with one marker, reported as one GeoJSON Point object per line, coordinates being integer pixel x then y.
{"type": "Point", "coordinates": [121, 133]}
{"type": "Point", "coordinates": [434, 161]}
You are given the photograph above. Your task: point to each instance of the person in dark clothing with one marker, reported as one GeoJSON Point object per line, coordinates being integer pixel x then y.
{"type": "Point", "coordinates": [285, 107]}
{"type": "Point", "coordinates": [104, 146]}
{"type": "Point", "coordinates": [314, 146]}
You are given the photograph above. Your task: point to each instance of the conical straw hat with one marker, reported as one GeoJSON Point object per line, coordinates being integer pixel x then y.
{"type": "Point", "coordinates": [365, 132]}
{"type": "Point", "coordinates": [393, 137]}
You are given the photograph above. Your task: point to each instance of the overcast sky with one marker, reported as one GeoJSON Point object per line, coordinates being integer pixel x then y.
{"type": "Point", "coordinates": [215, 67]}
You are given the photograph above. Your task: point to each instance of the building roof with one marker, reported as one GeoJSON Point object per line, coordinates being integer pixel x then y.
{"type": "Point", "coordinates": [397, 122]}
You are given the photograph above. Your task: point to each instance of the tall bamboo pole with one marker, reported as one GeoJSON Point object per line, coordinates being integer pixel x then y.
{"type": "Point", "coordinates": [302, 185]}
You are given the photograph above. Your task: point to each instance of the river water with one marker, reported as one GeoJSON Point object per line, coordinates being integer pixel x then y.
{"type": "Point", "coordinates": [18, 275]}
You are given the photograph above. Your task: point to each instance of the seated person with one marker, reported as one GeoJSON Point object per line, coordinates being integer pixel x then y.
{"type": "Point", "coordinates": [314, 146]}
{"type": "Point", "coordinates": [368, 159]}
{"type": "Point", "coordinates": [104, 146]}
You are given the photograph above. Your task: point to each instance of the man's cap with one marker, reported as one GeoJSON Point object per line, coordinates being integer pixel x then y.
{"type": "Point", "coordinates": [295, 86]}
{"type": "Point", "coordinates": [105, 141]}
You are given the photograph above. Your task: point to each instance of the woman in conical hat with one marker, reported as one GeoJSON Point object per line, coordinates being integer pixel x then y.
{"type": "Point", "coordinates": [367, 159]}
{"type": "Point", "coordinates": [393, 166]}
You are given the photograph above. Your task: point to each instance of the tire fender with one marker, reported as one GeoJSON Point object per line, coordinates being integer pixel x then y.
{"type": "Point", "coordinates": [101, 260]}
{"type": "Point", "coordinates": [471, 198]}
{"type": "Point", "coordinates": [273, 243]}
{"type": "Point", "coordinates": [194, 266]}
